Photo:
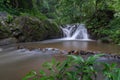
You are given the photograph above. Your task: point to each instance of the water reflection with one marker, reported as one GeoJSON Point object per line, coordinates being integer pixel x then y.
{"type": "Point", "coordinates": [75, 45]}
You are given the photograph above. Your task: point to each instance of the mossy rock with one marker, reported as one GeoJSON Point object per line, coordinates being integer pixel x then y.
{"type": "Point", "coordinates": [5, 22]}
{"type": "Point", "coordinates": [52, 29]}
{"type": "Point", "coordinates": [4, 30]}
{"type": "Point", "coordinates": [29, 29]}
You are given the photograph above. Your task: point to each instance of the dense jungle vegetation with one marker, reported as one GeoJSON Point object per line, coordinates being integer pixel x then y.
{"type": "Point", "coordinates": [102, 17]}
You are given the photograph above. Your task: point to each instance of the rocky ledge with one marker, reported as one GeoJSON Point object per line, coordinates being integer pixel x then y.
{"type": "Point", "coordinates": [57, 52]}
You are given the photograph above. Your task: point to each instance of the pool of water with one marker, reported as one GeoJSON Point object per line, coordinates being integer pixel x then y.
{"type": "Point", "coordinates": [88, 45]}
{"type": "Point", "coordinates": [15, 63]}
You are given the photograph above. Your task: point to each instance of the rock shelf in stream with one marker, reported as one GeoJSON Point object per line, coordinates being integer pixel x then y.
{"type": "Point", "coordinates": [105, 57]}
{"type": "Point", "coordinates": [84, 54]}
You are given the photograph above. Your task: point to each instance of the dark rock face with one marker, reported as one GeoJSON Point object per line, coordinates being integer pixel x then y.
{"type": "Point", "coordinates": [8, 41]}
{"type": "Point", "coordinates": [3, 16]}
{"type": "Point", "coordinates": [27, 29]}
{"type": "Point", "coordinates": [4, 32]}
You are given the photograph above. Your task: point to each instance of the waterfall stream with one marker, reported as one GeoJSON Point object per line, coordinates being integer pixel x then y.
{"type": "Point", "coordinates": [76, 31]}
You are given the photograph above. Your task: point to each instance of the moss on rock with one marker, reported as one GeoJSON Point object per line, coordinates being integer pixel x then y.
{"type": "Point", "coordinates": [4, 30]}
{"type": "Point", "coordinates": [27, 28]}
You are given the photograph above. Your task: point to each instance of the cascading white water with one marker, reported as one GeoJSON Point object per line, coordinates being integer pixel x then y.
{"type": "Point", "coordinates": [76, 31]}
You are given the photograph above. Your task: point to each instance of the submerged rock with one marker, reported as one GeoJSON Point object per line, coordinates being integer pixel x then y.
{"type": "Point", "coordinates": [106, 57]}
{"type": "Point", "coordinates": [8, 41]}
{"type": "Point", "coordinates": [105, 40]}
{"type": "Point", "coordinates": [1, 49]}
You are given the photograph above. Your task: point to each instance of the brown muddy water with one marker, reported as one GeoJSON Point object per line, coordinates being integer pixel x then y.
{"type": "Point", "coordinates": [15, 63]}
{"type": "Point", "coordinates": [87, 45]}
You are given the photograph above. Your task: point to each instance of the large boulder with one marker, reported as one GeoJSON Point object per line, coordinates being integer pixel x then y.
{"type": "Point", "coordinates": [27, 29]}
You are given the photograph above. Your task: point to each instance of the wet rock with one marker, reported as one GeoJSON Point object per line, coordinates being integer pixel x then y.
{"type": "Point", "coordinates": [8, 41]}
{"type": "Point", "coordinates": [82, 52]}
{"type": "Point", "coordinates": [105, 40]}
{"type": "Point", "coordinates": [105, 57]}
{"type": "Point", "coordinates": [3, 16]}
{"type": "Point", "coordinates": [64, 52]}
{"type": "Point", "coordinates": [85, 54]}
{"type": "Point", "coordinates": [90, 53]}
{"type": "Point", "coordinates": [118, 57]}
{"type": "Point", "coordinates": [1, 49]}
{"type": "Point", "coordinates": [20, 47]}
{"type": "Point", "coordinates": [4, 30]}
{"type": "Point", "coordinates": [76, 52]}
{"type": "Point", "coordinates": [71, 52]}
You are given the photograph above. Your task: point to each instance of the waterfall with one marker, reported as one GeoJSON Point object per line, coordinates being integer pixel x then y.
{"type": "Point", "coordinates": [76, 31]}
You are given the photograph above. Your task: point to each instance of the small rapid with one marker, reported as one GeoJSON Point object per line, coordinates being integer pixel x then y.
{"type": "Point", "coordinates": [76, 31]}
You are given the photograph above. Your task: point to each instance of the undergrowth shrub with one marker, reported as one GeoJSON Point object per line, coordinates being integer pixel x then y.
{"type": "Point", "coordinates": [115, 30]}
{"type": "Point", "coordinates": [75, 68]}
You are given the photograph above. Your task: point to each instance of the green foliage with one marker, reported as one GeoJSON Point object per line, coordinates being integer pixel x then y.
{"type": "Point", "coordinates": [30, 75]}
{"type": "Point", "coordinates": [9, 18]}
{"type": "Point", "coordinates": [111, 72]}
{"type": "Point", "coordinates": [75, 68]}
{"type": "Point", "coordinates": [115, 30]}
{"type": "Point", "coordinates": [48, 7]}
{"type": "Point", "coordinates": [7, 6]}
{"type": "Point", "coordinates": [73, 11]}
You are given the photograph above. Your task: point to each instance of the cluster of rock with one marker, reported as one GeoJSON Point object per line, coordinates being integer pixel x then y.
{"type": "Point", "coordinates": [105, 56]}
{"type": "Point", "coordinates": [84, 54]}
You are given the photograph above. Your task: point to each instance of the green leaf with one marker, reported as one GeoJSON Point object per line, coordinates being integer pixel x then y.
{"type": "Point", "coordinates": [42, 72]}
{"type": "Point", "coordinates": [92, 59]}
{"type": "Point", "coordinates": [76, 58]}
{"type": "Point", "coordinates": [30, 75]}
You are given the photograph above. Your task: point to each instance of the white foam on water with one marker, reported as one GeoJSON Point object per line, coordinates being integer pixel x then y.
{"type": "Point", "coordinates": [75, 32]}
